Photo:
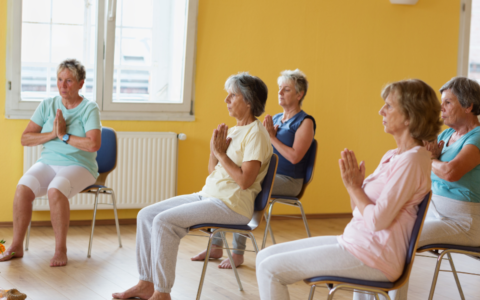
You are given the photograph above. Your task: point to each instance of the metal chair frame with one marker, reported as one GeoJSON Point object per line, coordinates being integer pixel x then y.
{"type": "Point", "coordinates": [256, 220]}
{"type": "Point", "coordinates": [372, 287]}
{"type": "Point", "coordinates": [98, 188]}
{"type": "Point", "coordinates": [292, 201]}
{"type": "Point", "coordinates": [448, 250]}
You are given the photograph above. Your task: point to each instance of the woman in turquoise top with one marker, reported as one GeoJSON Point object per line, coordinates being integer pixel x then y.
{"type": "Point", "coordinates": [68, 126]}
{"type": "Point", "coordinates": [291, 134]}
{"type": "Point", "coordinates": [454, 213]}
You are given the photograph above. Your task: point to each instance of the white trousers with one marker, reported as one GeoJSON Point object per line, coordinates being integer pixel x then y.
{"type": "Point", "coordinates": [160, 227]}
{"type": "Point", "coordinates": [287, 263]}
{"type": "Point", "coordinates": [69, 180]}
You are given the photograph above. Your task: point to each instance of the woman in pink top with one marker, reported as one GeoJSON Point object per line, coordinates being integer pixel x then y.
{"type": "Point", "coordinates": [374, 244]}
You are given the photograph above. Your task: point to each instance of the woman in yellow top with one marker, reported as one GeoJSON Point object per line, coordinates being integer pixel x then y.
{"type": "Point", "coordinates": [239, 159]}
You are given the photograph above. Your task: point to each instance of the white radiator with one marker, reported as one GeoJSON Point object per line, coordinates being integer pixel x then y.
{"type": "Point", "coordinates": [146, 171]}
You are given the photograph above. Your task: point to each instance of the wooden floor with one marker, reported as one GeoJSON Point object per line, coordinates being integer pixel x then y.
{"type": "Point", "coordinates": [113, 269]}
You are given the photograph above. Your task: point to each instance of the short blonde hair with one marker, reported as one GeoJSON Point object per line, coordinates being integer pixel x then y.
{"type": "Point", "coordinates": [420, 105]}
{"type": "Point", "coordinates": [299, 81]}
{"type": "Point", "coordinates": [74, 66]}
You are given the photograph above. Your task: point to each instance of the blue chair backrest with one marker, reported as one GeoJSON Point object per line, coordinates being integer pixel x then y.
{"type": "Point", "coordinates": [312, 153]}
{"type": "Point", "coordinates": [422, 209]}
{"type": "Point", "coordinates": [263, 197]}
{"type": "Point", "coordinates": [107, 155]}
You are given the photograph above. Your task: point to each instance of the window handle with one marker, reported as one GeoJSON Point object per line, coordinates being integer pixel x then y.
{"type": "Point", "coordinates": [112, 5]}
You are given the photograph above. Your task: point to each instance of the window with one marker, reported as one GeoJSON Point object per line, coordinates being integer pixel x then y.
{"type": "Point", "coordinates": [469, 40]}
{"type": "Point", "coordinates": [138, 55]}
{"type": "Point", "coordinates": [474, 48]}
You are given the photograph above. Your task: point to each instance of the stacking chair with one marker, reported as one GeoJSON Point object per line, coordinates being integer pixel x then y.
{"type": "Point", "coordinates": [293, 201]}
{"type": "Point", "coordinates": [447, 249]}
{"type": "Point", "coordinates": [107, 162]}
{"type": "Point", "coordinates": [335, 283]}
{"type": "Point", "coordinates": [211, 229]}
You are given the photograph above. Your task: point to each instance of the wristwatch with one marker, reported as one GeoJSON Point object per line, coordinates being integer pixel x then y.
{"type": "Point", "coordinates": [66, 137]}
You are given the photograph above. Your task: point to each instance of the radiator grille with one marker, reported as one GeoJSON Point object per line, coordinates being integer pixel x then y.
{"type": "Point", "coordinates": [146, 171]}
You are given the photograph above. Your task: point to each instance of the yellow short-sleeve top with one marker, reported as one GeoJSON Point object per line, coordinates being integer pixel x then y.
{"type": "Point", "coordinates": [249, 142]}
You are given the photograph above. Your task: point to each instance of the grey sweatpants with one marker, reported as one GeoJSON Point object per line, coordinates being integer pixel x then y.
{"type": "Point", "coordinates": [287, 263]}
{"type": "Point", "coordinates": [448, 221]}
{"type": "Point", "coordinates": [160, 227]}
{"type": "Point", "coordinates": [285, 186]}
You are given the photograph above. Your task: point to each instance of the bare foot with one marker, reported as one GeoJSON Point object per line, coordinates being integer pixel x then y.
{"type": "Point", "coordinates": [237, 259]}
{"type": "Point", "coordinates": [143, 290]}
{"type": "Point", "coordinates": [160, 296]}
{"type": "Point", "coordinates": [216, 252]}
{"type": "Point", "coordinates": [59, 259]}
{"type": "Point", "coordinates": [11, 252]}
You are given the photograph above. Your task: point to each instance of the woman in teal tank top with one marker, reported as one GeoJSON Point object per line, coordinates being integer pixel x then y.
{"type": "Point", "coordinates": [68, 127]}
{"type": "Point", "coordinates": [454, 214]}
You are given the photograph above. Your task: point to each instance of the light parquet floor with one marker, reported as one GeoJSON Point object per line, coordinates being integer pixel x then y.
{"type": "Point", "coordinates": [112, 269]}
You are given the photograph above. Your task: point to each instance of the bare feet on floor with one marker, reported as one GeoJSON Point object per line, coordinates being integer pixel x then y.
{"type": "Point", "coordinates": [59, 259]}
{"type": "Point", "coordinates": [160, 296]}
{"type": "Point", "coordinates": [237, 259]}
{"type": "Point", "coordinates": [143, 290]}
{"type": "Point", "coordinates": [11, 252]}
{"type": "Point", "coordinates": [215, 252]}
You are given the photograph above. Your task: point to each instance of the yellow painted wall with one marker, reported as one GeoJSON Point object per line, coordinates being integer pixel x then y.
{"type": "Point", "coordinates": [349, 50]}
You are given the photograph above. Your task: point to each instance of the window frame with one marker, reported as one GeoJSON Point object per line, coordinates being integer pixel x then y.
{"type": "Point", "coordinates": [464, 37]}
{"type": "Point", "coordinates": [15, 108]}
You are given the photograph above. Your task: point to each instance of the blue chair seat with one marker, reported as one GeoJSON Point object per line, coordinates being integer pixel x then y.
{"type": "Point", "coordinates": [447, 250]}
{"type": "Point", "coordinates": [94, 186]}
{"type": "Point", "coordinates": [229, 226]}
{"type": "Point", "coordinates": [377, 284]}
{"type": "Point", "coordinates": [284, 197]}
{"type": "Point", "coordinates": [447, 246]}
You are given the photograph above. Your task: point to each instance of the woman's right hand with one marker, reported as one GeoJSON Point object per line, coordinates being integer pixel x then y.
{"type": "Point", "coordinates": [271, 129]}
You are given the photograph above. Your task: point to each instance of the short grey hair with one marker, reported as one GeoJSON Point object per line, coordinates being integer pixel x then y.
{"type": "Point", "coordinates": [253, 90]}
{"type": "Point", "coordinates": [299, 80]}
{"type": "Point", "coordinates": [74, 66]}
{"type": "Point", "coordinates": [467, 92]}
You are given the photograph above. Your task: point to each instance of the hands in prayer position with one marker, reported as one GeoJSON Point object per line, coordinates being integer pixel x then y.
{"type": "Point", "coordinates": [268, 123]}
{"type": "Point", "coordinates": [59, 125]}
{"type": "Point", "coordinates": [220, 142]}
{"type": "Point", "coordinates": [352, 174]}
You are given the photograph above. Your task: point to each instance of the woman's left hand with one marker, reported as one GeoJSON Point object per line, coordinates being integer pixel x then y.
{"type": "Point", "coordinates": [352, 174]}
{"type": "Point", "coordinates": [220, 142]}
{"type": "Point", "coordinates": [60, 124]}
{"type": "Point", "coordinates": [268, 124]}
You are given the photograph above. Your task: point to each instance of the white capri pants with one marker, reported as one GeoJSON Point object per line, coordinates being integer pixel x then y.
{"type": "Point", "coordinates": [69, 180]}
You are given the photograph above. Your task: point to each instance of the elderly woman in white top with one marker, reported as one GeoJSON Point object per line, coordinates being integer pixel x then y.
{"type": "Point", "coordinates": [239, 159]}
